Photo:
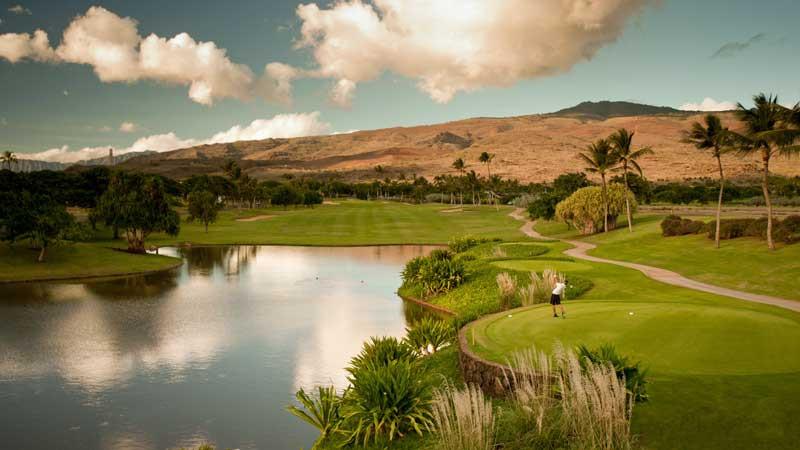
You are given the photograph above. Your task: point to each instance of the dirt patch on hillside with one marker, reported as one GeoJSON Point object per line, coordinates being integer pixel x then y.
{"type": "Point", "coordinates": [255, 218]}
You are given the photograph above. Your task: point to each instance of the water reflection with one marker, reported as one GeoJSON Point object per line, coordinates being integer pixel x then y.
{"type": "Point", "coordinates": [211, 351]}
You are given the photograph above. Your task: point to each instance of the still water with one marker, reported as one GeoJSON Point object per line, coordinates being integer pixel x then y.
{"type": "Point", "coordinates": [210, 352]}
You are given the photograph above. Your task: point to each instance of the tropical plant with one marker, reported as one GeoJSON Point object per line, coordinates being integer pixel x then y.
{"type": "Point", "coordinates": [380, 351]}
{"type": "Point", "coordinates": [715, 138]}
{"type": "Point", "coordinates": [631, 373]}
{"type": "Point", "coordinates": [429, 335]}
{"type": "Point", "coordinates": [486, 158]}
{"type": "Point", "coordinates": [770, 130]}
{"type": "Point", "coordinates": [203, 207]}
{"type": "Point", "coordinates": [622, 143]}
{"type": "Point", "coordinates": [8, 158]}
{"type": "Point", "coordinates": [323, 412]}
{"type": "Point", "coordinates": [461, 167]}
{"type": "Point", "coordinates": [600, 158]}
{"type": "Point", "coordinates": [587, 209]}
{"type": "Point", "coordinates": [507, 286]}
{"type": "Point", "coordinates": [459, 244]}
{"type": "Point", "coordinates": [386, 402]}
{"type": "Point", "coordinates": [463, 419]}
{"type": "Point", "coordinates": [439, 276]}
{"type": "Point", "coordinates": [411, 270]}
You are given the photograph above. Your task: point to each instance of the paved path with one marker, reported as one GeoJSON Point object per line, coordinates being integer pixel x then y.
{"type": "Point", "coordinates": [665, 276]}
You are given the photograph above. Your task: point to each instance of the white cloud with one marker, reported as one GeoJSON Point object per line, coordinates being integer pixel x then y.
{"type": "Point", "coordinates": [112, 46]}
{"type": "Point", "coordinates": [279, 126]}
{"type": "Point", "coordinates": [708, 104]}
{"type": "Point", "coordinates": [20, 10]}
{"type": "Point", "coordinates": [128, 127]}
{"type": "Point", "coordinates": [480, 43]}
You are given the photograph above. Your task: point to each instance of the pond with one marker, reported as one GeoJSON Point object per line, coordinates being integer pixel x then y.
{"type": "Point", "coordinates": [210, 352]}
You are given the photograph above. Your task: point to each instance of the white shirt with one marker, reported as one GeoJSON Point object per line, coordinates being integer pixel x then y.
{"type": "Point", "coordinates": [559, 289]}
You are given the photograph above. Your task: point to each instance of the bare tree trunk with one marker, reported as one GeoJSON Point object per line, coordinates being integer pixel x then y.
{"type": "Point", "coordinates": [719, 202]}
{"type": "Point", "coordinates": [42, 253]}
{"type": "Point", "coordinates": [627, 200]}
{"type": "Point", "coordinates": [767, 200]}
{"type": "Point", "coordinates": [605, 204]}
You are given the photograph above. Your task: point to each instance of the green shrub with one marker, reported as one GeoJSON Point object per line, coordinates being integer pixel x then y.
{"type": "Point", "coordinates": [440, 254]}
{"type": "Point", "coordinates": [380, 351]}
{"type": "Point", "coordinates": [634, 376]}
{"type": "Point", "coordinates": [386, 402]}
{"type": "Point", "coordinates": [460, 244]}
{"type": "Point", "coordinates": [788, 230]}
{"type": "Point", "coordinates": [429, 335]}
{"type": "Point", "coordinates": [411, 271]}
{"type": "Point", "coordinates": [439, 276]}
{"type": "Point", "coordinates": [729, 228]}
{"type": "Point", "coordinates": [676, 226]}
{"type": "Point", "coordinates": [584, 209]}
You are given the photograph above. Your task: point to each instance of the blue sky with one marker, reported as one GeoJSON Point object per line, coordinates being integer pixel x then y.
{"type": "Point", "coordinates": [663, 56]}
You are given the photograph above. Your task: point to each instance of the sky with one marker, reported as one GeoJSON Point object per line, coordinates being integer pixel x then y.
{"type": "Point", "coordinates": [77, 77]}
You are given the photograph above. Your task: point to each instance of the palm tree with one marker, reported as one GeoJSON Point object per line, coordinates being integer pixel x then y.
{"type": "Point", "coordinates": [486, 158]}
{"type": "Point", "coordinates": [601, 158]}
{"type": "Point", "coordinates": [8, 158]}
{"type": "Point", "coordinates": [460, 166]}
{"type": "Point", "coordinates": [715, 138]}
{"type": "Point", "coordinates": [622, 142]}
{"type": "Point", "coordinates": [769, 131]}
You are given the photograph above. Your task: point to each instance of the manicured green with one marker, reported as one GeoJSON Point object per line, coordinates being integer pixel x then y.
{"type": "Point", "coordinates": [350, 222]}
{"type": "Point", "coordinates": [18, 263]}
{"type": "Point", "coordinates": [744, 263]}
{"type": "Point", "coordinates": [721, 370]}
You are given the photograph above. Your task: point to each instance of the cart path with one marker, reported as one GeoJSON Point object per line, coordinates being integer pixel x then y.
{"type": "Point", "coordinates": [665, 276]}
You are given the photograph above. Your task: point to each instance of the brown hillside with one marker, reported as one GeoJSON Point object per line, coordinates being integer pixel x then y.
{"type": "Point", "coordinates": [530, 148]}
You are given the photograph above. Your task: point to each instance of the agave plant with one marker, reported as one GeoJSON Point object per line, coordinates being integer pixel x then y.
{"type": "Point", "coordinates": [380, 351]}
{"type": "Point", "coordinates": [386, 402]}
{"type": "Point", "coordinates": [321, 412]}
{"type": "Point", "coordinates": [429, 335]}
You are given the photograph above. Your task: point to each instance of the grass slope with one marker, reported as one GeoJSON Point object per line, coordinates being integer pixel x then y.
{"type": "Point", "coordinates": [744, 264]}
{"type": "Point", "coordinates": [18, 263]}
{"type": "Point", "coordinates": [720, 369]}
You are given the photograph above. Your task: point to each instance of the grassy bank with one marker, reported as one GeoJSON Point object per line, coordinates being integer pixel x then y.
{"type": "Point", "coordinates": [18, 263]}
{"type": "Point", "coordinates": [744, 264]}
{"type": "Point", "coordinates": [720, 369]}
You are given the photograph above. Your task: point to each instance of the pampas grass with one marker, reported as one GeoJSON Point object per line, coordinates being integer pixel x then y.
{"type": "Point", "coordinates": [508, 287]}
{"type": "Point", "coordinates": [588, 403]}
{"type": "Point", "coordinates": [464, 419]}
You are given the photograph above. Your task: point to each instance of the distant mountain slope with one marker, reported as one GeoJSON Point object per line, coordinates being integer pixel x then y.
{"type": "Point", "coordinates": [608, 109]}
{"type": "Point", "coordinates": [529, 148]}
{"type": "Point", "coordinates": [31, 165]}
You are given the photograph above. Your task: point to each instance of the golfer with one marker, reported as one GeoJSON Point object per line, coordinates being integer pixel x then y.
{"type": "Point", "coordinates": [555, 298]}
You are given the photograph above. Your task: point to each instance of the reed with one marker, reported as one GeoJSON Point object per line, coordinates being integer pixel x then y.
{"type": "Point", "coordinates": [463, 419]}
{"type": "Point", "coordinates": [508, 288]}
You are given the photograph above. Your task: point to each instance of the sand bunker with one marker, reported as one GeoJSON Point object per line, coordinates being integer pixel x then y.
{"type": "Point", "coordinates": [451, 210]}
{"type": "Point", "coordinates": [254, 218]}
{"type": "Point", "coordinates": [327, 202]}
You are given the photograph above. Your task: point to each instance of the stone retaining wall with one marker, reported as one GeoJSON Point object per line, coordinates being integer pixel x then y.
{"type": "Point", "coordinates": [494, 379]}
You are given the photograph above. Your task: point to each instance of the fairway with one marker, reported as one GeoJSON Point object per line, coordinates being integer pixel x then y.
{"type": "Point", "coordinates": [350, 222]}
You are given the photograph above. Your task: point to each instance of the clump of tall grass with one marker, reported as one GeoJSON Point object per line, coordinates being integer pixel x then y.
{"type": "Point", "coordinates": [540, 288]}
{"type": "Point", "coordinates": [508, 288]}
{"type": "Point", "coordinates": [464, 419]}
{"type": "Point", "coordinates": [562, 398]}
{"type": "Point", "coordinates": [498, 252]}
{"type": "Point", "coordinates": [428, 335]}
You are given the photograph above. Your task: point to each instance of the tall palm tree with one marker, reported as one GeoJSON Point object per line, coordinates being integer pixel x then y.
{"type": "Point", "coordinates": [600, 158]}
{"type": "Point", "coordinates": [715, 138]}
{"type": "Point", "coordinates": [622, 142]}
{"type": "Point", "coordinates": [486, 158]}
{"type": "Point", "coordinates": [8, 158]}
{"type": "Point", "coordinates": [461, 167]}
{"type": "Point", "coordinates": [768, 131]}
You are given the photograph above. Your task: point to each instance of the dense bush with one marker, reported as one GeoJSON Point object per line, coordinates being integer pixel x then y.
{"type": "Point", "coordinates": [584, 209]}
{"type": "Point", "coordinates": [379, 351]}
{"type": "Point", "coordinates": [789, 230]}
{"type": "Point", "coordinates": [436, 276]}
{"type": "Point", "coordinates": [786, 230]}
{"type": "Point", "coordinates": [676, 226]}
{"type": "Point", "coordinates": [460, 244]}
{"type": "Point", "coordinates": [635, 377]}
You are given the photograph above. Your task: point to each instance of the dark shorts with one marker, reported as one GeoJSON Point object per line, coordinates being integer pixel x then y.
{"type": "Point", "coordinates": [555, 299]}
